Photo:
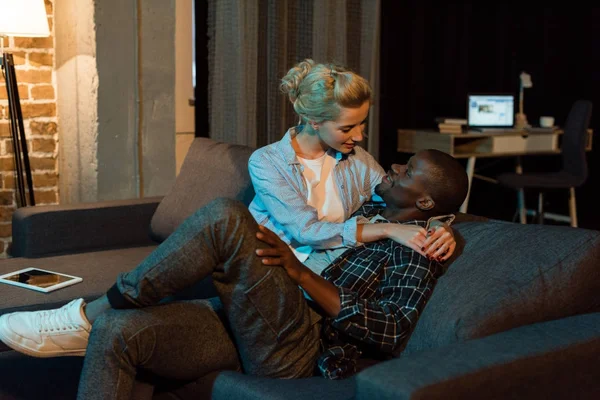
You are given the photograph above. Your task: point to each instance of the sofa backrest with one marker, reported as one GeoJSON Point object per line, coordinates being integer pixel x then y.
{"type": "Point", "coordinates": [210, 170]}
{"type": "Point", "coordinates": [510, 275]}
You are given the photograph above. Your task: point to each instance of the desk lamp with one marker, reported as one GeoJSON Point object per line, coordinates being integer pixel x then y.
{"type": "Point", "coordinates": [24, 18]}
{"type": "Point", "coordinates": [521, 118]}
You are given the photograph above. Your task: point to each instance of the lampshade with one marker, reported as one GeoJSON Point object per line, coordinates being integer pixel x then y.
{"type": "Point", "coordinates": [23, 18]}
{"type": "Point", "coordinates": [526, 80]}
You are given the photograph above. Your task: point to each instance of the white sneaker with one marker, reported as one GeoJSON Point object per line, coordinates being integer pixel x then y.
{"type": "Point", "coordinates": [50, 333]}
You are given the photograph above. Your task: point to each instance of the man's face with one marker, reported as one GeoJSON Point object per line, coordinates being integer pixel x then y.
{"type": "Point", "coordinates": [404, 184]}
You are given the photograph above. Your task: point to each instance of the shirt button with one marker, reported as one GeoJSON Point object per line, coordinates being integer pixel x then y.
{"type": "Point", "coordinates": [342, 186]}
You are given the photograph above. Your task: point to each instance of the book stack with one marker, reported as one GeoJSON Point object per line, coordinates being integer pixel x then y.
{"type": "Point", "coordinates": [450, 125]}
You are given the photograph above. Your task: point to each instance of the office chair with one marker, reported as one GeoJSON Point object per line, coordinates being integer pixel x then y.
{"type": "Point", "coordinates": [574, 165]}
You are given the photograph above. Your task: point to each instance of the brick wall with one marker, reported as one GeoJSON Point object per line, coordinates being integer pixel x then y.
{"type": "Point", "coordinates": [34, 64]}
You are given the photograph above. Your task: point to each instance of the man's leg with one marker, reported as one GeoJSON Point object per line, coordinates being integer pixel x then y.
{"type": "Point", "coordinates": [276, 332]}
{"type": "Point", "coordinates": [181, 341]}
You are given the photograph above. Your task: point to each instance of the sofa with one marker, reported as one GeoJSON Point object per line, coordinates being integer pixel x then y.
{"type": "Point", "coordinates": [515, 315]}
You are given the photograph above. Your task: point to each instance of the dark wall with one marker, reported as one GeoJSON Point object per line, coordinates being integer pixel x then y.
{"type": "Point", "coordinates": [431, 57]}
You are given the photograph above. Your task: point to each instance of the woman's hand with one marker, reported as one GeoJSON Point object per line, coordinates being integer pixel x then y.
{"type": "Point", "coordinates": [279, 254]}
{"type": "Point", "coordinates": [437, 244]}
{"type": "Point", "coordinates": [440, 242]}
{"type": "Point", "coordinates": [412, 236]}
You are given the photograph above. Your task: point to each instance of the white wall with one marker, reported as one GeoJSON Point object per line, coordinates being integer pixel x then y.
{"type": "Point", "coordinates": [115, 73]}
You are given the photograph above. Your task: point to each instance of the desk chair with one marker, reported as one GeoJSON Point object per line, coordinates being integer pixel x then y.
{"type": "Point", "coordinates": [574, 165]}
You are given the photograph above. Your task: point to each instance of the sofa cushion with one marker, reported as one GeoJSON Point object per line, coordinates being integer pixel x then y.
{"type": "Point", "coordinates": [98, 269]}
{"type": "Point", "coordinates": [510, 275]}
{"type": "Point", "coordinates": [210, 170]}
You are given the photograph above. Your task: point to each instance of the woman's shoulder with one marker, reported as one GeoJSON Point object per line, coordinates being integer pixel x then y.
{"type": "Point", "coordinates": [269, 152]}
{"type": "Point", "coordinates": [262, 151]}
{"type": "Point", "coordinates": [274, 151]}
{"type": "Point", "coordinates": [273, 156]}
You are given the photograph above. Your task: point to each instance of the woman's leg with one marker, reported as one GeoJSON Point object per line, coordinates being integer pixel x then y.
{"type": "Point", "coordinates": [181, 341]}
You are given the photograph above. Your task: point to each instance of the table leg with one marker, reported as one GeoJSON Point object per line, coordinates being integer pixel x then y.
{"type": "Point", "coordinates": [470, 172]}
{"type": "Point", "coordinates": [521, 195]}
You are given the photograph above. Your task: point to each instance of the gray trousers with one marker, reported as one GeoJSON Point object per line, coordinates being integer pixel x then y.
{"type": "Point", "coordinates": [269, 326]}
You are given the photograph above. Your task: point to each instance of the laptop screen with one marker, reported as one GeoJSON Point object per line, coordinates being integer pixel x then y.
{"type": "Point", "coordinates": [491, 111]}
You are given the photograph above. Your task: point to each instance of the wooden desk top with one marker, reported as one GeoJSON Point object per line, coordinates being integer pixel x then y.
{"type": "Point", "coordinates": [484, 144]}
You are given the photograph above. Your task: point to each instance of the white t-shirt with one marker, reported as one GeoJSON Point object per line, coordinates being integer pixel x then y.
{"type": "Point", "coordinates": [322, 194]}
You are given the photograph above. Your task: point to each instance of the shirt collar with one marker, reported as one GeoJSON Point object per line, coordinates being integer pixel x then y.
{"type": "Point", "coordinates": [285, 146]}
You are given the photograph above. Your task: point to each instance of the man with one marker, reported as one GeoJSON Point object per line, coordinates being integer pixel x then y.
{"type": "Point", "coordinates": [363, 306]}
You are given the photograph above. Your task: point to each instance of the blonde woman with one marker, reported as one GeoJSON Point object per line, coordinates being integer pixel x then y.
{"type": "Point", "coordinates": [310, 183]}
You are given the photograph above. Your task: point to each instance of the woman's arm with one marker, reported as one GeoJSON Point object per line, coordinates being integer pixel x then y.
{"type": "Point", "coordinates": [412, 236]}
{"type": "Point", "coordinates": [288, 207]}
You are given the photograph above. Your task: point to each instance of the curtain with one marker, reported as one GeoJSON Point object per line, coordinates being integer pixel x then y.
{"type": "Point", "coordinates": [253, 43]}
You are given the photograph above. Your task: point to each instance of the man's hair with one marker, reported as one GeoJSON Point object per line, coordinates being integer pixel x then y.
{"type": "Point", "coordinates": [447, 182]}
{"type": "Point", "coordinates": [318, 91]}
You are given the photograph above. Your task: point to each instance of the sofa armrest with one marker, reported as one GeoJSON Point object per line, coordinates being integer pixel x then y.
{"type": "Point", "coordinates": [44, 230]}
{"type": "Point", "coordinates": [555, 359]}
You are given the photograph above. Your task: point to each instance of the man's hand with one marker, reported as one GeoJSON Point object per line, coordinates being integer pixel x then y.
{"type": "Point", "coordinates": [440, 242]}
{"type": "Point", "coordinates": [279, 254]}
{"type": "Point", "coordinates": [320, 290]}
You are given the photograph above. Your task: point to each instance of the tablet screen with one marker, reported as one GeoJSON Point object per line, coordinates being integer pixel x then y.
{"type": "Point", "coordinates": [39, 278]}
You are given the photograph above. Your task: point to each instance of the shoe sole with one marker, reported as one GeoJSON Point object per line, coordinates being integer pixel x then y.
{"type": "Point", "coordinates": [17, 347]}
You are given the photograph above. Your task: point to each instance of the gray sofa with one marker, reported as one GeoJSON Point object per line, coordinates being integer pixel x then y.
{"type": "Point", "coordinates": [516, 315]}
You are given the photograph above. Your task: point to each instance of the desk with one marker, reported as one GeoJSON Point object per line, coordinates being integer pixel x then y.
{"type": "Point", "coordinates": [470, 145]}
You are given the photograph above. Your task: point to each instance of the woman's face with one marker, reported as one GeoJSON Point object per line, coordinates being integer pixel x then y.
{"type": "Point", "coordinates": [347, 130]}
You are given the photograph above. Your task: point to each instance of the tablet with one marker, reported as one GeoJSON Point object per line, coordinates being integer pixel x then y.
{"type": "Point", "coordinates": [39, 279]}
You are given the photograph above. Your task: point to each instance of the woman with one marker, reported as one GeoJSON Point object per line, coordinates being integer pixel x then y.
{"type": "Point", "coordinates": [310, 183]}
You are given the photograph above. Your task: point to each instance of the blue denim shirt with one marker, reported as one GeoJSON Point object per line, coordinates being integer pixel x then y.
{"type": "Point", "coordinates": [281, 194]}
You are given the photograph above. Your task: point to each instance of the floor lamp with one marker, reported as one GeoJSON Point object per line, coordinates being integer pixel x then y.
{"type": "Point", "coordinates": [23, 18]}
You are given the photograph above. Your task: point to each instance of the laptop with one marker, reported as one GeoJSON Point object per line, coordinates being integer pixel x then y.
{"type": "Point", "coordinates": [489, 112]}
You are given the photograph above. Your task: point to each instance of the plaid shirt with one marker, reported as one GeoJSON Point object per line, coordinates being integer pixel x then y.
{"type": "Point", "coordinates": [383, 288]}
